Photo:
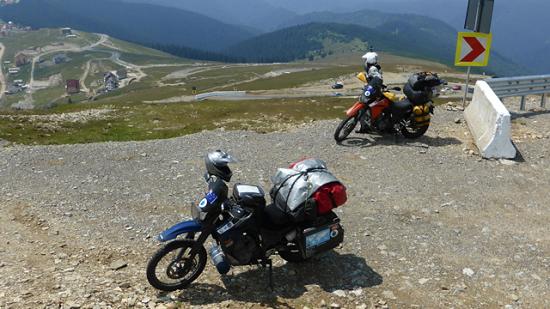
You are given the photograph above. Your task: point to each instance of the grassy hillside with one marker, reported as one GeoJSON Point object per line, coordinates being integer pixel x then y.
{"type": "Point", "coordinates": [87, 64]}
{"type": "Point", "coordinates": [43, 37]}
{"type": "Point", "coordinates": [129, 122]}
{"type": "Point", "coordinates": [142, 23]}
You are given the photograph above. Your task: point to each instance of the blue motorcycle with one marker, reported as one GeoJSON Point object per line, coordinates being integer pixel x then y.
{"type": "Point", "coordinates": [245, 231]}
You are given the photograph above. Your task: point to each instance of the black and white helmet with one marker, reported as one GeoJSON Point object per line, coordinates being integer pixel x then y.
{"type": "Point", "coordinates": [217, 164]}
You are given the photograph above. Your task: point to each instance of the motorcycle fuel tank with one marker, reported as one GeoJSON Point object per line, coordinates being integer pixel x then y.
{"type": "Point", "coordinates": [378, 107]}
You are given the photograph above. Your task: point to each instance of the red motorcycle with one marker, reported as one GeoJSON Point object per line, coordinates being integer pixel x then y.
{"type": "Point", "coordinates": [381, 111]}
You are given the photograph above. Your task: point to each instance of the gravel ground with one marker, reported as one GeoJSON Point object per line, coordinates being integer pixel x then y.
{"type": "Point", "coordinates": [428, 223]}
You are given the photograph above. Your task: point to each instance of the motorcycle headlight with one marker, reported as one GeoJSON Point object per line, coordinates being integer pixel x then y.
{"type": "Point", "coordinates": [197, 213]}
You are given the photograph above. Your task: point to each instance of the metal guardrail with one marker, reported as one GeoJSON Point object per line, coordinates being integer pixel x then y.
{"type": "Point", "coordinates": [521, 87]}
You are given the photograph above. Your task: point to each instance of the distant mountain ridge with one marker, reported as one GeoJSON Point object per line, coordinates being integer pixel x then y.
{"type": "Point", "coordinates": [255, 14]}
{"type": "Point", "coordinates": [371, 19]}
{"type": "Point", "coordinates": [394, 36]}
{"type": "Point", "coordinates": [144, 23]}
{"type": "Point", "coordinates": [188, 34]}
{"type": "Point", "coordinates": [413, 29]}
{"type": "Point", "coordinates": [520, 28]}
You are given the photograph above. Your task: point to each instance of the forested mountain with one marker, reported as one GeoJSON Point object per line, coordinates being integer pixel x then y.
{"type": "Point", "coordinates": [520, 28]}
{"type": "Point", "coordinates": [396, 36]}
{"type": "Point", "coordinates": [197, 54]}
{"type": "Point", "coordinates": [303, 41]}
{"type": "Point", "coordinates": [143, 23]}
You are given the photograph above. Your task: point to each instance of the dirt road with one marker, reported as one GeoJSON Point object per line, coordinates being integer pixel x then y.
{"type": "Point", "coordinates": [138, 71]}
{"type": "Point", "coordinates": [3, 85]}
{"type": "Point", "coordinates": [83, 77]}
{"type": "Point", "coordinates": [102, 39]}
{"type": "Point", "coordinates": [428, 225]}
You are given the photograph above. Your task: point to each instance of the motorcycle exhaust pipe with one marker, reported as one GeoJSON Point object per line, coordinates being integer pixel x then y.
{"type": "Point", "coordinates": [219, 260]}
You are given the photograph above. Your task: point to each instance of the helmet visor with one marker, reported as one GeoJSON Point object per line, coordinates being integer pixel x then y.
{"type": "Point", "coordinates": [219, 157]}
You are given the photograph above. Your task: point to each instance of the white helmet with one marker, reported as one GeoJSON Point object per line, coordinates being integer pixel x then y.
{"type": "Point", "coordinates": [370, 58]}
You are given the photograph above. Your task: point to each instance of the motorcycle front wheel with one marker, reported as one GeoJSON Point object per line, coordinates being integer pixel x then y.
{"type": "Point", "coordinates": [345, 128]}
{"type": "Point", "coordinates": [173, 268]}
{"type": "Point", "coordinates": [411, 131]}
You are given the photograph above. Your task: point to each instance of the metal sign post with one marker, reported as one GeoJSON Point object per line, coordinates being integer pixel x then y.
{"type": "Point", "coordinates": [466, 88]}
{"type": "Point", "coordinates": [479, 15]}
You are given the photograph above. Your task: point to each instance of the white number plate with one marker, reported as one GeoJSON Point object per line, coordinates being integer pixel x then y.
{"type": "Point", "coordinates": [318, 238]}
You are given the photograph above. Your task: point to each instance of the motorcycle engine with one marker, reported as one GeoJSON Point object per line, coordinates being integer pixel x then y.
{"type": "Point", "coordinates": [383, 123]}
{"type": "Point", "coordinates": [237, 242]}
{"type": "Point", "coordinates": [240, 249]}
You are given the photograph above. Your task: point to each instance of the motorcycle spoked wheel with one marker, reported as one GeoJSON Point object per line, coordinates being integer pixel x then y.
{"type": "Point", "coordinates": [167, 272]}
{"type": "Point", "coordinates": [411, 131]}
{"type": "Point", "coordinates": [345, 128]}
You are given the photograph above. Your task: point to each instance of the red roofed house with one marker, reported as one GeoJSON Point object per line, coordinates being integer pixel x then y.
{"type": "Point", "coordinates": [73, 86]}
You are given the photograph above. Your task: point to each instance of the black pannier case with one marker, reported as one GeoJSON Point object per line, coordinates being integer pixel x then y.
{"type": "Point", "coordinates": [324, 236]}
{"type": "Point", "coordinates": [417, 97]}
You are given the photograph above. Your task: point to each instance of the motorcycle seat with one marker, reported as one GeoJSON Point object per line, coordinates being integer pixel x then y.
{"type": "Point", "coordinates": [274, 216]}
{"type": "Point", "coordinates": [275, 219]}
{"type": "Point", "coordinates": [403, 104]}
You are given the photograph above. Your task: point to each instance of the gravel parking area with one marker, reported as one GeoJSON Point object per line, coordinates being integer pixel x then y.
{"type": "Point", "coordinates": [428, 223]}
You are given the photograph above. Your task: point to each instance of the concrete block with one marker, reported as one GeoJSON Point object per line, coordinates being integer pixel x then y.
{"type": "Point", "coordinates": [490, 123]}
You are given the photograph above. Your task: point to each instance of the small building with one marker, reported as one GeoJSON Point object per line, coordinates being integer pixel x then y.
{"type": "Point", "coordinates": [122, 74]}
{"type": "Point", "coordinates": [66, 31]}
{"type": "Point", "coordinates": [21, 59]}
{"type": "Point", "coordinates": [60, 58]}
{"type": "Point", "coordinates": [13, 89]}
{"type": "Point", "coordinates": [14, 70]}
{"type": "Point", "coordinates": [73, 86]}
{"type": "Point", "coordinates": [110, 80]}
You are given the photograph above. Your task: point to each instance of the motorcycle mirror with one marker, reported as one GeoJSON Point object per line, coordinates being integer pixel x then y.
{"type": "Point", "coordinates": [206, 177]}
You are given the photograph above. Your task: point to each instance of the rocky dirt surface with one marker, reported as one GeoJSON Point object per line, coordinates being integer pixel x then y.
{"type": "Point", "coordinates": [72, 117]}
{"type": "Point", "coordinates": [428, 223]}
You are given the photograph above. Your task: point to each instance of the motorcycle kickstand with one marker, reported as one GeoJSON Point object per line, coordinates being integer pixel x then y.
{"type": "Point", "coordinates": [396, 137]}
{"type": "Point", "coordinates": [269, 264]}
{"type": "Point", "coordinates": [396, 134]}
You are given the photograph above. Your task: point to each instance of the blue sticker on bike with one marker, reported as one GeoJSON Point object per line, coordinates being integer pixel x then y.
{"type": "Point", "coordinates": [211, 197]}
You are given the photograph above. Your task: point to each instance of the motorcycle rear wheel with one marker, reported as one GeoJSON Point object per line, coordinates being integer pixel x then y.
{"type": "Point", "coordinates": [414, 132]}
{"type": "Point", "coordinates": [345, 128]}
{"type": "Point", "coordinates": [179, 272]}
